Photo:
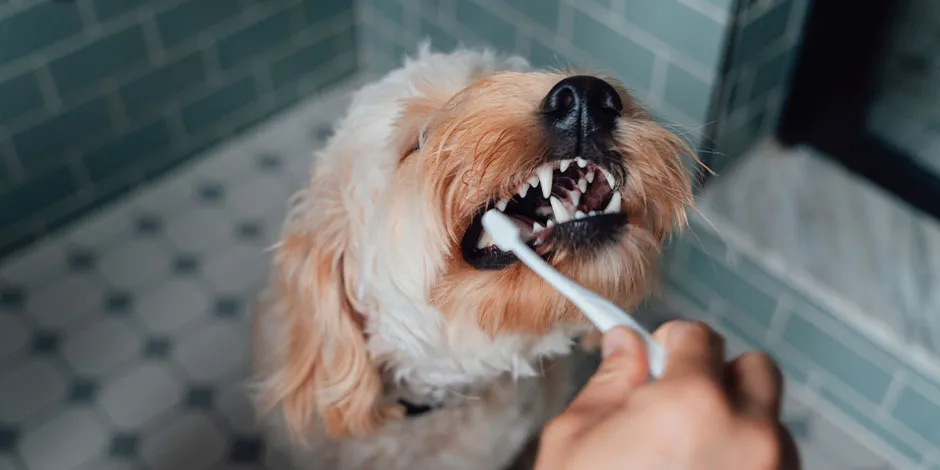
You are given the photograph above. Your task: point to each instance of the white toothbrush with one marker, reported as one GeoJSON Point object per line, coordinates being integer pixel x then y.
{"type": "Point", "coordinates": [604, 314]}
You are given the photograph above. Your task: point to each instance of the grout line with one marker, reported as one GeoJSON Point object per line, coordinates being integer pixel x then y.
{"type": "Point", "coordinates": [708, 10]}
{"type": "Point", "coordinates": [898, 380]}
{"type": "Point", "coordinates": [657, 93]}
{"type": "Point", "coordinates": [47, 86]}
{"type": "Point", "coordinates": [778, 321]}
{"type": "Point", "coordinates": [152, 39]}
{"type": "Point", "coordinates": [565, 20]}
{"type": "Point", "coordinates": [11, 160]}
{"type": "Point", "coordinates": [88, 16]}
{"type": "Point", "coordinates": [115, 105]}
{"type": "Point", "coordinates": [618, 8]}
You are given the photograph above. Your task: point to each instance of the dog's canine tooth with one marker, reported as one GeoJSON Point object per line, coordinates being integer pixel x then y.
{"type": "Point", "coordinates": [582, 185]}
{"type": "Point", "coordinates": [561, 214]}
{"type": "Point", "coordinates": [610, 178]}
{"type": "Point", "coordinates": [536, 228]}
{"type": "Point", "coordinates": [501, 205]}
{"type": "Point", "coordinates": [592, 213]}
{"type": "Point", "coordinates": [545, 179]}
{"type": "Point", "coordinates": [575, 198]}
{"type": "Point", "coordinates": [613, 206]}
{"type": "Point", "coordinates": [579, 215]}
{"type": "Point", "coordinates": [590, 177]}
{"type": "Point", "coordinates": [550, 223]}
{"type": "Point", "coordinates": [564, 165]}
{"type": "Point", "coordinates": [523, 189]}
{"type": "Point", "coordinates": [581, 162]}
{"type": "Point", "coordinates": [485, 240]}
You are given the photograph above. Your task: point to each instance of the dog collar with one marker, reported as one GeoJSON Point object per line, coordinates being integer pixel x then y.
{"type": "Point", "coordinates": [412, 410]}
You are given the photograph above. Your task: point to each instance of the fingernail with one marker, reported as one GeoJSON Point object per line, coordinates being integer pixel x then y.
{"type": "Point", "coordinates": [618, 341]}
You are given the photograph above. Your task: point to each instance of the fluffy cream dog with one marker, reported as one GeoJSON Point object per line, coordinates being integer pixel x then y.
{"type": "Point", "coordinates": [394, 335]}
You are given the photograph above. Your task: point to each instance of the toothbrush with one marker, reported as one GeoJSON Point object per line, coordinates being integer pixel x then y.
{"type": "Point", "coordinates": [604, 314]}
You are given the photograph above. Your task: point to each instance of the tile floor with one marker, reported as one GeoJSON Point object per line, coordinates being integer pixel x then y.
{"type": "Point", "coordinates": [123, 341]}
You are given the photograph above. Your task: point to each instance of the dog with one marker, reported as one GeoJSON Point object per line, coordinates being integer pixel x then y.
{"type": "Point", "coordinates": [393, 334]}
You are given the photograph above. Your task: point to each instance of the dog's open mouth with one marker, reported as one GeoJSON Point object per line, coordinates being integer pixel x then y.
{"type": "Point", "coordinates": [575, 204]}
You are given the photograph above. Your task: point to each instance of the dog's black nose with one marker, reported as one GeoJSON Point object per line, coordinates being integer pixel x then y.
{"type": "Point", "coordinates": [580, 106]}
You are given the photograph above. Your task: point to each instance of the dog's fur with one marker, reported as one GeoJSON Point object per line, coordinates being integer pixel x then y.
{"type": "Point", "coordinates": [371, 300]}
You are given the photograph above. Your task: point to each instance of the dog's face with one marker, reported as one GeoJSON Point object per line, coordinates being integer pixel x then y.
{"type": "Point", "coordinates": [592, 182]}
{"type": "Point", "coordinates": [384, 265]}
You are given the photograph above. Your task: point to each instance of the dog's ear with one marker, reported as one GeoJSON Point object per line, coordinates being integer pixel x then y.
{"type": "Point", "coordinates": [324, 369]}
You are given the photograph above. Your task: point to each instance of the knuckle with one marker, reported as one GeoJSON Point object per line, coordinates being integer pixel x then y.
{"type": "Point", "coordinates": [706, 395]}
{"type": "Point", "coordinates": [762, 361]}
{"type": "Point", "coordinates": [561, 428]}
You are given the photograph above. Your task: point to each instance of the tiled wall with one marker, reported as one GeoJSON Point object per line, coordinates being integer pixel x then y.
{"type": "Point", "coordinates": [877, 391]}
{"type": "Point", "coordinates": [762, 49]}
{"type": "Point", "coordinates": [98, 95]}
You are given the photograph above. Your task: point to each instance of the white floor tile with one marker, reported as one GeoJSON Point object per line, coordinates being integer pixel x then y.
{"type": "Point", "coordinates": [132, 263]}
{"type": "Point", "coordinates": [64, 442]}
{"type": "Point", "coordinates": [65, 301]}
{"type": "Point", "coordinates": [187, 442]}
{"type": "Point", "coordinates": [28, 388]}
{"type": "Point", "coordinates": [173, 305]}
{"type": "Point", "coordinates": [99, 347]}
{"type": "Point", "coordinates": [14, 336]}
{"type": "Point", "coordinates": [133, 398]}
{"type": "Point", "coordinates": [213, 353]}
{"type": "Point", "coordinates": [199, 229]}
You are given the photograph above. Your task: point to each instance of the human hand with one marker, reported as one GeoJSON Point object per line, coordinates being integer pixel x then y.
{"type": "Point", "coordinates": [702, 414]}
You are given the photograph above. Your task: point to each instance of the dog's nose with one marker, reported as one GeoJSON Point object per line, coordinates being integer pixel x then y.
{"type": "Point", "coordinates": [580, 106]}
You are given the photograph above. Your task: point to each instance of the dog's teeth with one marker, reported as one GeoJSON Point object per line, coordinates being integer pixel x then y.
{"type": "Point", "coordinates": [561, 214]}
{"type": "Point", "coordinates": [564, 165]}
{"type": "Point", "coordinates": [579, 215]}
{"type": "Point", "coordinates": [523, 189]}
{"type": "Point", "coordinates": [550, 223]}
{"type": "Point", "coordinates": [590, 177]}
{"type": "Point", "coordinates": [610, 178]}
{"type": "Point", "coordinates": [582, 185]}
{"type": "Point", "coordinates": [581, 162]}
{"type": "Point", "coordinates": [533, 181]}
{"type": "Point", "coordinates": [545, 179]}
{"type": "Point", "coordinates": [536, 228]}
{"type": "Point", "coordinates": [613, 207]}
{"type": "Point", "coordinates": [592, 213]}
{"type": "Point", "coordinates": [501, 205]}
{"type": "Point", "coordinates": [575, 197]}
{"type": "Point", "coordinates": [485, 240]}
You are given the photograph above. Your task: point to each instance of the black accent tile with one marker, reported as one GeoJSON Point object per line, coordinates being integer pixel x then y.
{"type": "Point", "coordinates": [185, 264]}
{"type": "Point", "coordinates": [12, 297]}
{"type": "Point", "coordinates": [249, 230]}
{"type": "Point", "coordinates": [148, 224]}
{"type": "Point", "coordinates": [81, 259]}
{"type": "Point", "coordinates": [124, 445]}
{"type": "Point", "coordinates": [246, 449]}
{"type": "Point", "coordinates": [269, 162]}
{"type": "Point", "coordinates": [83, 391]}
{"type": "Point", "coordinates": [118, 303]}
{"type": "Point", "coordinates": [45, 342]}
{"type": "Point", "coordinates": [321, 133]}
{"type": "Point", "coordinates": [157, 348]}
{"type": "Point", "coordinates": [227, 306]}
{"type": "Point", "coordinates": [9, 436]}
{"type": "Point", "coordinates": [211, 192]}
{"type": "Point", "coordinates": [199, 397]}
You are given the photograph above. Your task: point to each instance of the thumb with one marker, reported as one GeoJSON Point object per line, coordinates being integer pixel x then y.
{"type": "Point", "coordinates": [623, 368]}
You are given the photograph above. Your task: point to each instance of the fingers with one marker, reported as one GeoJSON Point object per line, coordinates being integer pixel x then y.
{"type": "Point", "coordinates": [756, 385]}
{"type": "Point", "coordinates": [692, 348]}
{"type": "Point", "coordinates": [624, 368]}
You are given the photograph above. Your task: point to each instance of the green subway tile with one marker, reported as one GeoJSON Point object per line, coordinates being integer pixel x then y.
{"type": "Point", "coordinates": [19, 95]}
{"type": "Point", "coordinates": [680, 288]}
{"type": "Point", "coordinates": [919, 413]}
{"type": "Point", "coordinates": [390, 10]}
{"type": "Point", "coordinates": [627, 60]}
{"type": "Point", "coordinates": [706, 239]}
{"type": "Point", "coordinates": [218, 104]}
{"type": "Point", "coordinates": [43, 24]}
{"type": "Point", "coordinates": [321, 10]}
{"type": "Point", "coordinates": [496, 31]}
{"type": "Point", "coordinates": [837, 358]}
{"type": "Point", "coordinates": [344, 42]}
{"type": "Point", "coordinates": [772, 74]}
{"type": "Point", "coordinates": [683, 28]}
{"type": "Point", "coordinates": [543, 12]}
{"type": "Point", "coordinates": [127, 150]}
{"type": "Point", "coordinates": [867, 419]}
{"type": "Point", "coordinates": [303, 62]}
{"type": "Point", "coordinates": [157, 87]}
{"type": "Point", "coordinates": [687, 93]}
{"type": "Point", "coordinates": [253, 40]}
{"type": "Point", "coordinates": [107, 9]}
{"type": "Point", "coordinates": [730, 286]}
{"type": "Point", "coordinates": [35, 195]}
{"type": "Point", "coordinates": [101, 59]}
{"type": "Point", "coordinates": [762, 32]}
{"type": "Point", "coordinates": [193, 17]}
{"type": "Point", "coordinates": [440, 40]}
{"type": "Point", "coordinates": [65, 131]}
{"type": "Point", "coordinates": [543, 56]}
